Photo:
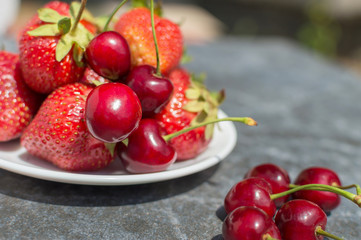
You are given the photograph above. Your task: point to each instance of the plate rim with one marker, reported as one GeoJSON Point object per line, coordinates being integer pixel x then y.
{"type": "Point", "coordinates": [91, 178]}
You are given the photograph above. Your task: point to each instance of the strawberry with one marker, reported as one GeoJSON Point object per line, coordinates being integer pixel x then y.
{"type": "Point", "coordinates": [191, 104]}
{"type": "Point", "coordinates": [50, 51]}
{"type": "Point", "coordinates": [135, 27]}
{"type": "Point", "coordinates": [18, 103]}
{"type": "Point", "coordinates": [58, 132]}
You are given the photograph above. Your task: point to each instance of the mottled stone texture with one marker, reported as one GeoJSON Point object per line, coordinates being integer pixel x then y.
{"type": "Point", "coordinates": [309, 113]}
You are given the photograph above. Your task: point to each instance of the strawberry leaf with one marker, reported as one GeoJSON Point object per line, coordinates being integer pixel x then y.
{"type": "Point", "coordinates": [219, 97]}
{"type": "Point", "coordinates": [78, 54]}
{"type": "Point", "coordinates": [63, 47]}
{"type": "Point", "coordinates": [194, 106]}
{"type": "Point", "coordinates": [209, 131]}
{"type": "Point", "coordinates": [47, 30]}
{"type": "Point", "coordinates": [110, 147]}
{"type": "Point", "coordinates": [201, 117]}
{"type": "Point", "coordinates": [64, 25]}
{"type": "Point", "coordinates": [49, 15]}
{"type": "Point", "coordinates": [199, 79]}
{"type": "Point", "coordinates": [192, 93]}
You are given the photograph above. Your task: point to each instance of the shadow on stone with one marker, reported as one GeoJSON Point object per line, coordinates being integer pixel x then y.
{"type": "Point", "coordinates": [83, 195]}
{"type": "Point", "coordinates": [218, 237]}
{"type": "Point", "coordinates": [221, 213]}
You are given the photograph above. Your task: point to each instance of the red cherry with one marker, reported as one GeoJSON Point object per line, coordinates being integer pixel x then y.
{"type": "Point", "coordinates": [147, 151]}
{"type": "Point", "coordinates": [249, 223]}
{"type": "Point", "coordinates": [299, 220]}
{"type": "Point", "coordinates": [320, 175]}
{"type": "Point", "coordinates": [250, 192]}
{"type": "Point", "coordinates": [154, 91]}
{"type": "Point", "coordinates": [112, 112]}
{"type": "Point", "coordinates": [108, 55]}
{"type": "Point", "coordinates": [276, 176]}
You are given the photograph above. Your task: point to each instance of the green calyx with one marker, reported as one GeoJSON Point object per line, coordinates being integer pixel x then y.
{"type": "Point", "coordinates": [71, 33]}
{"type": "Point", "coordinates": [203, 102]}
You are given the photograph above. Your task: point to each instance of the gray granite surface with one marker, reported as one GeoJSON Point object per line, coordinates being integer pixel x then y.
{"type": "Point", "coordinates": [309, 113]}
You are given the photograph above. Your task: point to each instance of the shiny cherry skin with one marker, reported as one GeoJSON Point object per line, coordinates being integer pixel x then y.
{"type": "Point", "coordinates": [249, 223]}
{"type": "Point", "coordinates": [320, 175]}
{"type": "Point", "coordinates": [298, 220]}
{"type": "Point", "coordinates": [147, 151]}
{"type": "Point", "coordinates": [108, 55]}
{"type": "Point", "coordinates": [154, 91]}
{"type": "Point", "coordinates": [276, 176]}
{"type": "Point", "coordinates": [112, 112]}
{"type": "Point", "coordinates": [252, 191]}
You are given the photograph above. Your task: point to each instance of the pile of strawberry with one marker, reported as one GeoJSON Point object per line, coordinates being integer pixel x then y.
{"type": "Point", "coordinates": [79, 89]}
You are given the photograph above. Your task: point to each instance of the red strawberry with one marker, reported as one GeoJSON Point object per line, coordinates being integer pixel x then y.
{"type": "Point", "coordinates": [135, 27]}
{"type": "Point", "coordinates": [47, 52]}
{"type": "Point", "coordinates": [191, 104]}
{"type": "Point", "coordinates": [18, 103]}
{"type": "Point", "coordinates": [59, 134]}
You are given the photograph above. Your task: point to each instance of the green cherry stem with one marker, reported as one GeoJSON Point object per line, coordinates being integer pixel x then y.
{"type": "Point", "coordinates": [322, 232]}
{"type": "Point", "coordinates": [112, 15]}
{"type": "Point", "coordinates": [78, 16]}
{"type": "Point", "coordinates": [155, 37]}
{"type": "Point", "coordinates": [321, 187]}
{"type": "Point", "coordinates": [268, 237]}
{"type": "Point", "coordinates": [356, 186]}
{"type": "Point", "coordinates": [245, 120]}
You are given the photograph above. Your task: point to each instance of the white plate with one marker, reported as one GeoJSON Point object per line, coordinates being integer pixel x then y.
{"type": "Point", "coordinates": [15, 159]}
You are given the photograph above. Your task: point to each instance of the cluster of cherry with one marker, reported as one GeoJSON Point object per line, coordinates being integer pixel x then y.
{"type": "Point", "coordinates": [252, 203]}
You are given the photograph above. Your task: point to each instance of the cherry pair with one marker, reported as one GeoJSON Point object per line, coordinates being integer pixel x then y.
{"type": "Point", "coordinates": [114, 110]}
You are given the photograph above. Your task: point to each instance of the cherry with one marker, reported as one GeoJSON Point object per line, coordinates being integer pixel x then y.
{"type": "Point", "coordinates": [252, 191]}
{"type": "Point", "coordinates": [153, 91]}
{"type": "Point", "coordinates": [276, 176]}
{"type": "Point", "coordinates": [147, 150]}
{"type": "Point", "coordinates": [302, 220]}
{"type": "Point", "coordinates": [320, 175]}
{"type": "Point", "coordinates": [108, 55]}
{"type": "Point", "coordinates": [112, 112]}
{"type": "Point", "coordinates": [249, 223]}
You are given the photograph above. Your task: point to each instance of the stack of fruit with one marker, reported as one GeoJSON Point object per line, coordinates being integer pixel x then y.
{"type": "Point", "coordinates": [82, 92]}
{"type": "Point", "coordinates": [251, 204]}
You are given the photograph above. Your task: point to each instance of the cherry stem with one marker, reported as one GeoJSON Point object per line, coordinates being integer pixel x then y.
{"type": "Point", "coordinates": [321, 187]}
{"type": "Point", "coordinates": [112, 15]}
{"type": "Point", "coordinates": [245, 120]}
{"type": "Point", "coordinates": [78, 17]}
{"type": "Point", "coordinates": [322, 232]}
{"type": "Point", "coordinates": [268, 237]}
{"type": "Point", "coordinates": [158, 73]}
{"type": "Point", "coordinates": [356, 186]}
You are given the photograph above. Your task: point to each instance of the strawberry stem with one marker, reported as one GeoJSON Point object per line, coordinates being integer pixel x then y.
{"type": "Point", "coordinates": [78, 16]}
{"type": "Point", "coordinates": [320, 231]}
{"type": "Point", "coordinates": [245, 120]}
{"type": "Point", "coordinates": [112, 15]}
{"type": "Point", "coordinates": [154, 37]}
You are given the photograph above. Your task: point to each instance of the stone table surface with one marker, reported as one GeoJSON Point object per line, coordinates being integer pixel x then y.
{"type": "Point", "coordinates": [308, 109]}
